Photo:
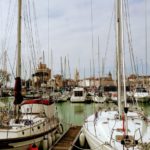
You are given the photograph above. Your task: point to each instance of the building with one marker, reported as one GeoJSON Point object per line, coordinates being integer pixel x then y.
{"type": "Point", "coordinates": [41, 76]}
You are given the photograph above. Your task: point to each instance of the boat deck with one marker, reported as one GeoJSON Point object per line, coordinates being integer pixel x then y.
{"type": "Point", "coordinates": [68, 139]}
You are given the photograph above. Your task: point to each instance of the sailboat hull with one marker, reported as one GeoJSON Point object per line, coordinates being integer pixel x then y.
{"type": "Point", "coordinates": [105, 131]}
{"type": "Point", "coordinates": [94, 143]}
{"type": "Point", "coordinates": [25, 142]}
{"type": "Point", "coordinates": [37, 123]}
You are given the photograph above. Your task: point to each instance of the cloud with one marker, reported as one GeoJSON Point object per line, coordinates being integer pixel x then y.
{"type": "Point", "coordinates": [70, 32]}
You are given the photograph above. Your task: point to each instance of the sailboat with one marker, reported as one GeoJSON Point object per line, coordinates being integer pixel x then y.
{"type": "Point", "coordinates": [99, 96]}
{"type": "Point", "coordinates": [121, 127]}
{"type": "Point", "coordinates": [34, 122]}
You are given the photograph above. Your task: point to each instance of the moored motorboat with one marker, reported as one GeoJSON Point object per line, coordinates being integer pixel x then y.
{"type": "Point", "coordinates": [141, 94]}
{"type": "Point", "coordinates": [78, 95]}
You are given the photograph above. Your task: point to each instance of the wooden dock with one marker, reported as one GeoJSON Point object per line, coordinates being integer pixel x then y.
{"type": "Point", "coordinates": [68, 139]}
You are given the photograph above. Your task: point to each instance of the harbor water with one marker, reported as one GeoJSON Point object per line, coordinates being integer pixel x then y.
{"type": "Point", "coordinates": [76, 113]}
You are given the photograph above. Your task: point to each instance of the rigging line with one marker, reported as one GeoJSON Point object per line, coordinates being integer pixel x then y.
{"type": "Point", "coordinates": [48, 31]}
{"type": "Point", "coordinates": [30, 33]}
{"type": "Point", "coordinates": [107, 42]}
{"type": "Point", "coordinates": [52, 23]}
{"type": "Point", "coordinates": [128, 26]}
{"type": "Point", "coordinates": [36, 28]}
{"type": "Point", "coordinates": [11, 29]}
{"type": "Point", "coordinates": [92, 36]}
{"type": "Point", "coordinates": [146, 37]}
{"type": "Point", "coordinates": [38, 43]}
{"type": "Point", "coordinates": [27, 32]}
{"type": "Point", "coordinates": [25, 69]}
{"type": "Point", "coordinates": [1, 22]}
{"type": "Point", "coordinates": [10, 66]}
{"type": "Point", "coordinates": [132, 52]}
{"type": "Point", "coordinates": [9, 25]}
{"type": "Point", "coordinates": [26, 25]}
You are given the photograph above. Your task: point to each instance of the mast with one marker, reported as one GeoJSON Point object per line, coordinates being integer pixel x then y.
{"type": "Point", "coordinates": [146, 37]}
{"type": "Point", "coordinates": [90, 73]}
{"type": "Point", "coordinates": [119, 47]}
{"type": "Point", "coordinates": [99, 63]}
{"type": "Point", "coordinates": [51, 63]}
{"type": "Point", "coordinates": [121, 64]}
{"type": "Point", "coordinates": [69, 72]}
{"type": "Point", "coordinates": [17, 89]}
{"type": "Point", "coordinates": [18, 69]}
{"type": "Point", "coordinates": [61, 66]}
{"type": "Point", "coordinates": [65, 68]}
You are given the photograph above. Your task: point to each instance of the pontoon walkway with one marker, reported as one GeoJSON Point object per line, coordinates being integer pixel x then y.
{"type": "Point", "coordinates": [69, 138]}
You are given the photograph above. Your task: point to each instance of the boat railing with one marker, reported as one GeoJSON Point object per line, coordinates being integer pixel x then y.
{"type": "Point", "coordinates": [111, 135]}
{"type": "Point", "coordinates": [138, 129]}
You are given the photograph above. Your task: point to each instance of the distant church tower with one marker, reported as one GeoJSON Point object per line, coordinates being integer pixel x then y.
{"type": "Point", "coordinates": [110, 75]}
{"type": "Point", "coordinates": [76, 77]}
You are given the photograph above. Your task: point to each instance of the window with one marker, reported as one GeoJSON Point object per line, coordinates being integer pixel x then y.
{"type": "Point", "coordinates": [78, 93]}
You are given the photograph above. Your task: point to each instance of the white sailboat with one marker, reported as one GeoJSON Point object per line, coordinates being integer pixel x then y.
{"type": "Point", "coordinates": [117, 128]}
{"type": "Point", "coordinates": [35, 123]}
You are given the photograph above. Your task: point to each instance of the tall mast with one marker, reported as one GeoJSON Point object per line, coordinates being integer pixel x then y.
{"type": "Point", "coordinates": [119, 47]}
{"type": "Point", "coordinates": [69, 72]}
{"type": "Point", "coordinates": [121, 62]}
{"type": "Point", "coordinates": [61, 66]}
{"type": "Point", "coordinates": [65, 68]}
{"type": "Point", "coordinates": [90, 73]}
{"type": "Point", "coordinates": [146, 37]}
{"type": "Point", "coordinates": [18, 69]}
{"type": "Point", "coordinates": [17, 89]}
{"type": "Point", "coordinates": [51, 63]}
{"type": "Point", "coordinates": [99, 63]}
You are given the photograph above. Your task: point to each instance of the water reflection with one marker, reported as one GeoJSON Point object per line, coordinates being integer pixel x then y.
{"type": "Point", "coordinates": [76, 113]}
{"type": "Point", "coordinates": [78, 109]}
{"type": "Point", "coordinates": [73, 113]}
{"type": "Point", "coordinates": [146, 107]}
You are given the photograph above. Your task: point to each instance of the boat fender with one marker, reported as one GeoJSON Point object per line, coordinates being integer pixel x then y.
{"type": "Point", "coordinates": [49, 140]}
{"type": "Point", "coordinates": [53, 137]}
{"type": "Point", "coordinates": [57, 135]}
{"type": "Point", "coordinates": [60, 128]}
{"type": "Point", "coordinates": [45, 144]}
{"type": "Point", "coordinates": [33, 147]}
{"type": "Point", "coordinates": [82, 139]}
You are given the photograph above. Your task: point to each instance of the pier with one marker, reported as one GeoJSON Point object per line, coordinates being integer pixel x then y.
{"type": "Point", "coordinates": [68, 139]}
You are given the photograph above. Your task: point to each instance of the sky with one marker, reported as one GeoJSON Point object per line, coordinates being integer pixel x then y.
{"type": "Point", "coordinates": [71, 28]}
